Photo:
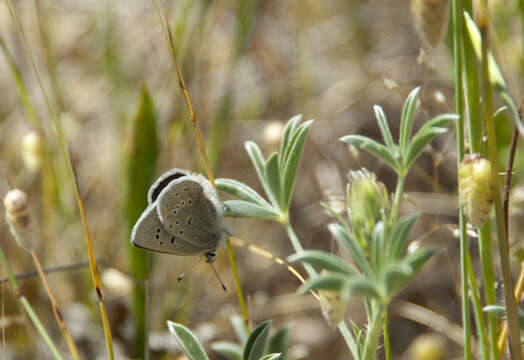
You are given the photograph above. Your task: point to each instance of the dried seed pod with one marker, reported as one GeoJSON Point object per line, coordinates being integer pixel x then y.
{"type": "Point", "coordinates": [32, 150]}
{"type": "Point", "coordinates": [333, 305]}
{"type": "Point", "coordinates": [476, 189]}
{"type": "Point", "coordinates": [19, 218]}
{"type": "Point", "coordinates": [431, 19]}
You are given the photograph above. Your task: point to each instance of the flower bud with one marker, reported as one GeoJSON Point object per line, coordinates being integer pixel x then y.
{"type": "Point", "coordinates": [367, 203]}
{"type": "Point", "coordinates": [19, 218]}
{"type": "Point", "coordinates": [431, 19]}
{"type": "Point", "coordinates": [476, 189]}
{"type": "Point", "coordinates": [32, 150]}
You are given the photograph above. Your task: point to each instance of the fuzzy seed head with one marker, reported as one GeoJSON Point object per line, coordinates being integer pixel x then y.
{"type": "Point", "coordinates": [476, 188]}
{"type": "Point", "coordinates": [431, 19]}
{"type": "Point", "coordinates": [19, 218]}
{"type": "Point", "coordinates": [427, 347]}
{"type": "Point", "coordinates": [32, 150]}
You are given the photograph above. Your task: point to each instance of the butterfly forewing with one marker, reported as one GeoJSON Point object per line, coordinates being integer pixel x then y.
{"type": "Point", "coordinates": [164, 180]}
{"type": "Point", "coordinates": [187, 213]}
{"type": "Point", "coordinates": [149, 233]}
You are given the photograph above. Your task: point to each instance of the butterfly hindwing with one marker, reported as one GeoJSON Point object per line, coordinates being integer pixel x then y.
{"type": "Point", "coordinates": [187, 212]}
{"type": "Point", "coordinates": [149, 233]}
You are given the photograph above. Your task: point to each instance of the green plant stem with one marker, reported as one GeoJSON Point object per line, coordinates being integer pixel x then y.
{"type": "Point", "coordinates": [346, 334]}
{"type": "Point", "coordinates": [477, 310]}
{"type": "Point", "coordinates": [511, 306]}
{"type": "Point", "coordinates": [387, 346]}
{"type": "Point", "coordinates": [238, 287]}
{"type": "Point", "coordinates": [488, 280]}
{"type": "Point", "coordinates": [373, 334]}
{"type": "Point", "coordinates": [298, 247]}
{"type": "Point", "coordinates": [398, 197]}
{"type": "Point", "coordinates": [27, 307]}
{"type": "Point", "coordinates": [458, 38]}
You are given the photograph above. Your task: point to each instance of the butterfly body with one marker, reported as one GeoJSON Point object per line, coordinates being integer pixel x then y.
{"type": "Point", "coordinates": [184, 217]}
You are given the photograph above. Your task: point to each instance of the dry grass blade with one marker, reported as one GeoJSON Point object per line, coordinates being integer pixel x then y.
{"type": "Point", "coordinates": [56, 122]}
{"type": "Point", "coordinates": [56, 309]}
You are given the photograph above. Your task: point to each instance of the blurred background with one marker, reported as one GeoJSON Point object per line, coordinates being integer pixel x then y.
{"type": "Point", "coordinates": [249, 66]}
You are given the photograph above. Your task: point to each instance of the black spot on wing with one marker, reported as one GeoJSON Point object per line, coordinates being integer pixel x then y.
{"type": "Point", "coordinates": [164, 183]}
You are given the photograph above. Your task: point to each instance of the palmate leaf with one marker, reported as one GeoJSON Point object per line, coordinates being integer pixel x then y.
{"type": "Point", "coordinates": [323, 260]}
{"type": "Point", "coordinates": [256, 343]}
{"type": "Point", "coordinates": [374, 148]}
{"type": "Point", "coordinates": [240, 190]}
{"type": "Point", "coordinates": [187, 341]}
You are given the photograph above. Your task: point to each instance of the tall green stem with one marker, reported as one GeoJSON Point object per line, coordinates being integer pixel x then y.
{"type": "Point", "coordinates": [511, 306]}
{"type": "Point", "coordinates": [457, 9]}
{"type": "Point", "coordinates": [373, 334]}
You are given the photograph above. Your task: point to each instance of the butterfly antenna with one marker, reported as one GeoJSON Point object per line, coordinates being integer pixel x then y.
{"type": "Point", "coordinates": [181, 276]}
{"type": "Point", "coordinates": [218, 277]}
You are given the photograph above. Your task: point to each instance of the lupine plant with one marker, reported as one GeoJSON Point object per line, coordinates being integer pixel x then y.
{"type": "Point", "coordinates": [374, 237]}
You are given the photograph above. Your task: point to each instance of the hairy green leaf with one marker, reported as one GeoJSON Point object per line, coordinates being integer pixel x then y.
{"type": "Point", "coordinates": [273, 180]}
{"type": "Point", "coordinates": [384, 127]}
{"type": "Point", "coordinates": [241, 190]}
{"type": "Point", "coordinates": [256, 344]}
{"type": "Point", "coordinates": [245, 209]}
{"type": "Point", "coordinates": [374, 148]}
{"type": "Point", "coordinates": [323, 260]}
{"type": "Point", "coordinates": [187, 341]}
{"type": "Point", "coordinates": [290, 165]}
{"type": "Point", "coordinates": [331, 282]}
{"type": "Point", "coordinates": [406, 120]}
{"type": "Point", "coordinates": [228, 350]}
{"type": "Point", "coordinates": [352, 245]}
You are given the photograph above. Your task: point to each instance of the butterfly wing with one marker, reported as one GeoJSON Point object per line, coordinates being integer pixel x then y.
{"type": "Point", "coordinates": [149, 234]}
{"type": "Point", "coordinates": [187, 211]}
{"type": "Point", "coordinates": [164, 180]}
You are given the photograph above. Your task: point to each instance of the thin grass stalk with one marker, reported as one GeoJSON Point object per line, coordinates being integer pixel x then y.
{"type": "Point", "coordinates": [201, 146]}
{"type": "Point", "coordinates": [458, 40]}
{"type": "Point", "coordinates": [56, 308]}
{"type": "Point", "coordinates": [474, 116]}
{"type": "Point", "coordinates": [478, 312]}
{"type": "Point", "coordinates": [507, 185]}
{"type": "Point", "coordinates": [511, 306]}
{"type": "Point", "coordinates": [56, 122]}
{"type": "Point", "coordinates": [519, 289]}
{"type": "Point", "coordinates": [27, 307]}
